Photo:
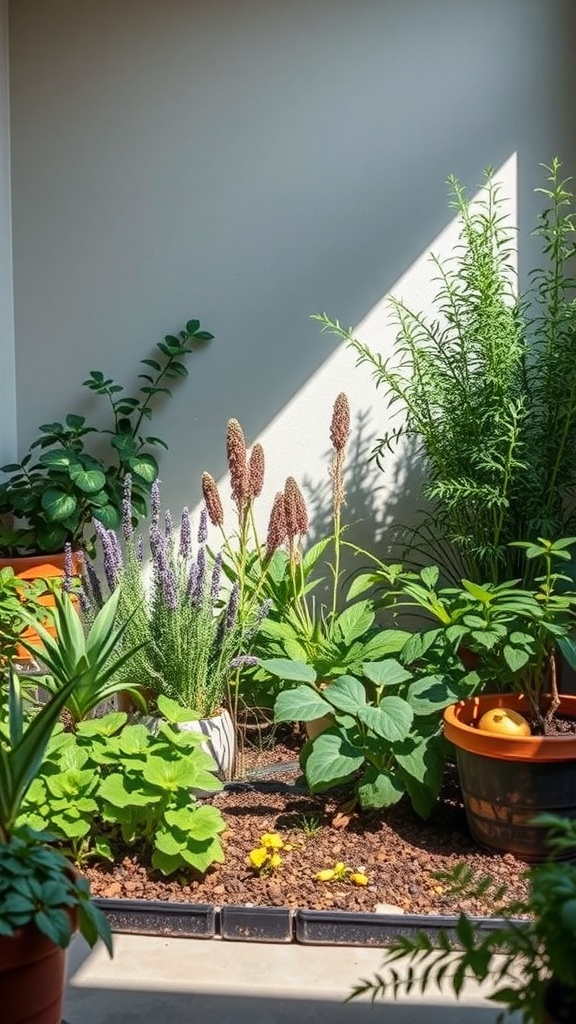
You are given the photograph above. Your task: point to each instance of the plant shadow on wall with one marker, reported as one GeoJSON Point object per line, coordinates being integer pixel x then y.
{"type": "Point", "coordinates": [377, 515]}
{"type": "Point", "coordinates": [486, 387]}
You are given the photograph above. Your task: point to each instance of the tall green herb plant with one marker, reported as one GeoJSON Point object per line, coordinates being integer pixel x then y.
{"type": "Point", "coordinates": [485, 387]}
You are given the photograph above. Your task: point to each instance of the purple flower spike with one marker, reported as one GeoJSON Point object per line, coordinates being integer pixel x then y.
{"type": "Point", "coordinates": [93, 583]}
{"type": "Point", "coordinates": [203, 527]}
{"type": "Point", "coordinates": [216, 576]}
{"type": "Point", "coordinates": [68, 569]}
{"type": "Point", "coordinates": [185, 534]}
{"type": "Point", "coordinates": [111, 554]}
{"type": "Point", "coordinates": [191, 582]}
{"type": "Point", "coordinates": [127, 528]}
{"type": "Point", "coordinates": [244, 661]}
{"type": "Point", "coordinates": [140, 548]}
{"type": "Point", "coordinates": [232, 610]}
{"type": "Point", "coordinates": [155, 503]}
{"type": "Point", "coordinates": [200, 577]}
{"type": "Point", "coordinates": [168, 524]}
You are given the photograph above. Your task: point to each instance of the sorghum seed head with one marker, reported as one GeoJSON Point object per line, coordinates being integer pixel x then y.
{"type": "Point", "coordinates": [277, 532]}
{"type": "Point", "coordinates": [256, 470]}
{"type": "Point", "coordinates": [290, 510]}
{"type": "Point", "coordinates": [236, 456]}
{"type": "Point", "coordinates": [340, 425]}
{"type": "Point", "coordinates": [212, 499]}
{"type": "Point", "coordinates": [301, 510]}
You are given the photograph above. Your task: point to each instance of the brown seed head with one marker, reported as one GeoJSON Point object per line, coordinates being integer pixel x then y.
{"type": "Point", "coordinates": [296, 509]}
{"type": "Point", "coordinates": [256, 470]}
{"type": "Point", "coordinates": [236, 456]}
{"type": "Point", "coordinates": [212, 499]}
{"type": "Point", "coordinates": [290, 508]}
{"type": "Point", "coordinates": [340, 425]}
{"type": "Point", "coordinates": [277, 532]}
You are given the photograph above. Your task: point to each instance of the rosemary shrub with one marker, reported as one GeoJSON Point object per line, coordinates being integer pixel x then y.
{"type": "Point", "coordinates": [486, 388]}
{"type": "Point", "coordinates": [174, 607]}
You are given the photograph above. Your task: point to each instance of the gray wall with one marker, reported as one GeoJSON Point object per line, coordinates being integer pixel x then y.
{"type": "Point", "coordinates": [251, 163]}
{"type": "Point", "coordinates": [7, 360]}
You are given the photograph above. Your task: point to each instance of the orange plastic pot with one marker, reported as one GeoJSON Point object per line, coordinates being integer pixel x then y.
{"type": "Point", "coordinates": [507, 780]}
{"type": "Point", "coordinates": [39, 567]}
{"type": "Point", "coordinates": [32, 978]}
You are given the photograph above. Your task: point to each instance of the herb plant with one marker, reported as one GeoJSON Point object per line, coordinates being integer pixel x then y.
{"type": "Point", "coordinates": [184, 634]}
{"type": "Point", "coordinates": [486, 389]}
{"type": "Point", "coordinates": [54, 497]}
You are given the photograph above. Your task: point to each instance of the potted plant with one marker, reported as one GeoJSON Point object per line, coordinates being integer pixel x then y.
{"type": "Point", "coordinates": [181, 626]}
{"type": "Point", "coordinates": [530, 962]}
{"type": "Point", "coordinates": [50, 499]}
{"type": "Point", "coordinates": [516, 744]}
{"type": "Point", "coordinates": [485, 388]}
{"type": "Point", "coordinates": [42, 900]}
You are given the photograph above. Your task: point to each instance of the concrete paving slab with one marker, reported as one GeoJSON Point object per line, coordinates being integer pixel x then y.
{"type": "Point", "coordinates": [155, 980]}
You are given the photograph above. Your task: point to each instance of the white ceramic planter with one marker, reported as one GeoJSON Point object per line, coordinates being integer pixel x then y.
{"type": "Point", "coordinates": [220, 740]}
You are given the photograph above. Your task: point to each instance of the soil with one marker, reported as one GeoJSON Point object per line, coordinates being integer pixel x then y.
{"type": "Point", "coordinates": [397, 851]}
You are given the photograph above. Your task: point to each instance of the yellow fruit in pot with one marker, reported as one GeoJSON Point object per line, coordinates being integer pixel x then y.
{"type": "Point", "coordinates": [505, 722]}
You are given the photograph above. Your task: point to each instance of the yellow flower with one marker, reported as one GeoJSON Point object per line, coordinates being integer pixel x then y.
{"type": "Point", "coordinates": [359, 878]}
{"type": "Point", "coordinates": [275, 860]}
{"type": "Point", "coordinates": [272, 841]}
{"type": "Point", "coordinates": [326, 875]}
{"type": "Point", "coordinates": [257, 858]}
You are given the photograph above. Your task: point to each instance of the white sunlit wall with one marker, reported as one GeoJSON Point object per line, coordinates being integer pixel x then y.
{"type": "Point", "coordinates": [252, 164]}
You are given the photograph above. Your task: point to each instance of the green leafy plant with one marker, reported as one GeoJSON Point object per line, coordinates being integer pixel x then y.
{"type": "Point", "coordinates": [485, 389]}
{"type": "Point", "coordinates": [514, 634]}
{"type": "Point", "coordinates": [110, 779]}
{"type": "Point", "coordinates": [385, 731]}
{"type": "Point", "coordinates": [180, 630]}
{"type": "Point", "coordinates": [37, 885]}
{"type": "Point", "coordinates": [530, 962]}
{"type": "Point", "coordinates": [18, 605]}
{"type": "Point", "coordinates": [95, 659]}
{"type": "Point", "coordinates": [53, 498]}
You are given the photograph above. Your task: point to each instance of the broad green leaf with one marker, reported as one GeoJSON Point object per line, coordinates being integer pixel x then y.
{"type": "Point", "coordinates": [379, 789]}
{"type": "Point", "coordinates": [134, 739]}
{"type": "Point", "coordinates": [169, 776]}
{"type": "Point", "coordinates": [201, 855]}
{"type": "Point", "coordinates": [172, 711]}
{"type": "Point", "coordinates": [361, 584]}
{"type": "Point", "coordinates": [90, 481]}
{"type": "Point", "coordinates": [331, 761]}
{"type": "Point", "coordinates": [478, 592]}
{"type": "Point", "coordinates": [346, 694]}
{"type": "Point", "coordinates": [301, 704]}
{"type": "Point", "coordinates": [145, 467]}
{"type": "Point", "coordinates": [55, 924]}
{"type": "Point", "coordinates": [354, 621]}
{"type": "Point", "coordinates": [430, 575]}
{"type": "Point", "coordinates": [105, 726]}
{"type": "Point", "coordinates": [57, 505]}
{"type": "Point", "coordinates": [388, 641]}
{"type": "Point", "coordinates": [395, 719]}
{"type": "Point", "coordinates": [422, 761]}
{"type": "Point", "coordinates": [116, 789]}
{"type": "Point", "coordinates": [386, 673]}
{"type": "Point", "coordinates": [293, 671]}
{"type": "Point", "coordinates": [430, 694]}
{"type": "Point", "coordinates": [515, 657]}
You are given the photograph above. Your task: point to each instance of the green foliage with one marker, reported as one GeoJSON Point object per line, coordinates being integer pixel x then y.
{"type": "Point", "coordinates": [515, 633]}
{"type": "Point", "coordinates": [385, 738]}
{"type": "Point", "coordinates": [111, 779]}
{"type": "Point", "coordinates": [180, 629]}
{"type": "Point", "coordinates": [37, 885]}
{"type": "Point", "coordinates": [54, 497]}
{"type": "Point", "coordinates": [521, 958]}
{"type": "Point", "coordinates": [486, 388]}
{"type": "Point", "coordinates": [95, 660]}
{"type": "Point", "coordinates": [18, 604]}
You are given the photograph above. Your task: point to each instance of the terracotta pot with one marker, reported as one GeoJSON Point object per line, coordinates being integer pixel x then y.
{"type": "Point", "coordinates": [39, 567]}
{"type": "Point", "coordinates": [32, 978]}
{"type": "Point", "coordinates": [507, 780]}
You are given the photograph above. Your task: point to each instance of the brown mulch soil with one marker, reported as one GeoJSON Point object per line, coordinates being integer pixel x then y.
{"type": "Point", "coordinates": [396, 850]}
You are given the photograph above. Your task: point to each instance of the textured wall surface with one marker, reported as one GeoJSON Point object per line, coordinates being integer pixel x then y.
{"type": "Point", "coordinates": [252, 163]}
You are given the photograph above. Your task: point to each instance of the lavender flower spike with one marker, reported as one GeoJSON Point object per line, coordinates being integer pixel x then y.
{"type": "Point", "coordinates": [216, 576]}
{"type": "Point", "coordinates": [68, 568]}
{"type": "Point", "coordinates": [110, 552]}
{"type": "Point", "coordinates": [127, 528]}
{"type": "Point", "coordinates": [200, 577]}
{"type": "Point", "coordinates": [244, 661]}
{"type": "Point", "coordinates": [168, 524]}
{"type": "Point", "coordinates": [232, 610]}
{"type": "Point", "coordinates": [203, 526]}
{"type": "Point", "coordinates": [155, 503]}
{"type": "Point", "coordinates": [185, 534]}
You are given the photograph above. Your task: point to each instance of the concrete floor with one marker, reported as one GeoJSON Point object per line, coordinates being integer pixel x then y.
{"type": "Point", "coordinates": [210, 981]}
